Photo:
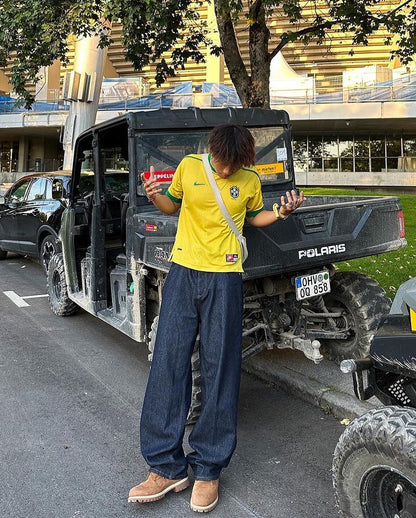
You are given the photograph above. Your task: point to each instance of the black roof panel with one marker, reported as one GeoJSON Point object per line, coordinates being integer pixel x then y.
{"type": "Point", "coordinates": [181, 118]}
{"type": "Point", "coordinates": [167, 118]}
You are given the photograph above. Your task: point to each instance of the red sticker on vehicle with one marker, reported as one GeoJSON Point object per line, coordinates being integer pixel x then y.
{"type": "Point", "coordinates": [150, 228]}
{"type": "Point", "coordinates": [161, 176]}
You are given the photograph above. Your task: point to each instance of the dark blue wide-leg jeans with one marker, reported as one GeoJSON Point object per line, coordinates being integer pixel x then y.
{"type": "Point", "coordinates": [209, 304]}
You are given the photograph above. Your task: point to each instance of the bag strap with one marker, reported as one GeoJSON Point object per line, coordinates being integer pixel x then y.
{"type": "Point", "coordinates": [218, 197]}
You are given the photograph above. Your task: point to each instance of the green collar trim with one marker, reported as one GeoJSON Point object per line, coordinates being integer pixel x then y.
{"type": "Point", "coordinates": [210, 163]}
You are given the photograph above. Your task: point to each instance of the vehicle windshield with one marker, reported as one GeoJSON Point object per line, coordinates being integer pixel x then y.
{"type": "Point", "coordinates": [164, 150]}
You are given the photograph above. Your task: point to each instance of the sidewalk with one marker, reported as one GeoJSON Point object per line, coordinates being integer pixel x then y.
{"type": "Point", "coordinates": [323, 385]}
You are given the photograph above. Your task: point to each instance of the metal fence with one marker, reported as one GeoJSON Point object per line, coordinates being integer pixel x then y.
{"type": "Point", "coordinates": [322, 92]}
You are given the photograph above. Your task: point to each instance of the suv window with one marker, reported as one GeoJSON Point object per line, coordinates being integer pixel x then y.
{"type": "Point", "coordinates": [37, 190]}
{"type": "Point", "coordinates": [18, 192]}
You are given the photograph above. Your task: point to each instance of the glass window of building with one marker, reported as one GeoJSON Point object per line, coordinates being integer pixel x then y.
{"type": "Point", "coordinates": [409, 146]}
{"type": "Point", "coordinates": [378, 154]}
{"type": "Point", "coordinates": [409, 154]}
{"type": "Point", "coordinates": [315, 153]}
{"type": "Point", "coordinates": [330, 154]}
{"type": "Point", "coordinates": [346, 153]}
{"type": "Point", "coordinates": [9, 154]}
{"type": "Point", "coordinates": [394, 152]}
{"type": "Point", "coordinates": [300, 153]}
{"type": "Point", "coordinates": [362, 154]}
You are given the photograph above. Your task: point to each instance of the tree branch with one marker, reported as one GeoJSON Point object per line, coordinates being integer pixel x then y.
{"type": "Point", "coordinates": [295, 35]}
{"type": "Point", "coordinates": [398, 8]}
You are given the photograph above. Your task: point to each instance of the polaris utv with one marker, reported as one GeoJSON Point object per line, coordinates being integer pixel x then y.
{"type": "Point", "coordinates": [374, 468]}
{"type": "Point", "coordinates": [116, 245]}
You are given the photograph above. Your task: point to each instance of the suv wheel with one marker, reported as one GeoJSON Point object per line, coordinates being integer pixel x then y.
{"type": "Point", "coordinates": [59, 301]}
{"type": "Point", "coordinates": [48, 248]}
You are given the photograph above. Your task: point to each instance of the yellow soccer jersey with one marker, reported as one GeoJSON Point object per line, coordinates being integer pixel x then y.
{"type": "Point", "coordinates": [204, 241]}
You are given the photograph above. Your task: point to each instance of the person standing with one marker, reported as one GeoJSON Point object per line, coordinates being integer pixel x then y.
{"type": "Point", "coordinates": [202, 295]}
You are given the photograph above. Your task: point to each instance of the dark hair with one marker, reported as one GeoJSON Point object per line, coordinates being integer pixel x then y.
{"type": "Point", "coordinates": [233, 145]}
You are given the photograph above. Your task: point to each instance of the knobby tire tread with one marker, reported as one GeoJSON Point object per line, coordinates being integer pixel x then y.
{"type": "Point", "coordinates": [385, 436]}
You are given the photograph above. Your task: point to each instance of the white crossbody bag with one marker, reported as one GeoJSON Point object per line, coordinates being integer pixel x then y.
{"type": "Point", "coordinates": [223, 208]}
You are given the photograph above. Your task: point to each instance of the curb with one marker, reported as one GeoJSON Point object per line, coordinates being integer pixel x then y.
{"type": "Point", "coordinates": [329, 399]}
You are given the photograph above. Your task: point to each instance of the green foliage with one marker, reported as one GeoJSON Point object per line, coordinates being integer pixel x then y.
{"type": "Point", "coordinates": [34, 33]}
{"type": "Point", "coordinates": [389, 269]}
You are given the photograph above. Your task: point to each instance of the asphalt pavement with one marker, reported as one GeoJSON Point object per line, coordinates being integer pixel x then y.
{"type": "Point", "coordinates": [71, 391]}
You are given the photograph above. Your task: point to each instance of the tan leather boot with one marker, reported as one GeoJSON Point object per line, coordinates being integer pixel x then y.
{"type": "Point", "coordinates": [155, 487]}
{"type": "Point", "coordinates": [204, 495]}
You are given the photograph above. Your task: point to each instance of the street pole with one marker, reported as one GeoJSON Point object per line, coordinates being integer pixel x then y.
{"type": "Point", "coordinates": [83, 92]}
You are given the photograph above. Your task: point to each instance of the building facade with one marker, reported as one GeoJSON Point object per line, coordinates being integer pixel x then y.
{"type": "Point", "coordinates": [339, 137]}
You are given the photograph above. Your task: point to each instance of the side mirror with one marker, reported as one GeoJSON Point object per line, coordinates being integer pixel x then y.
{"type": "Point", "coordinates": [2, 200]}
{"type": "Point", "coordinates": [57, 189]}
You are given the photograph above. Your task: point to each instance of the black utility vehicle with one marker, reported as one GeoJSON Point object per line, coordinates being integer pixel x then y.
{"type": "Point", "coordinates": [374, 466]}
{"type": "Point", "coordinates": [116, 246]}
{"type": "Point", "coordinates": [30, 215]}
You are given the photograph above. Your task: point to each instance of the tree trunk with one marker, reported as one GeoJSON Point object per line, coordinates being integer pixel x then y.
{"type": "Point", "coordinates": [259, 36]}
{"type": "Point", "coordinates": [253, 89]}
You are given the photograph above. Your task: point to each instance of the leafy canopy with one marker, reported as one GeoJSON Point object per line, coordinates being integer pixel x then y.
{"type": "Point", "coordinates": [34, 33]}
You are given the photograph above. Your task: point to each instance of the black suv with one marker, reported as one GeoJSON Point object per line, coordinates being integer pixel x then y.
{"type": "Point", "coordinates": [30, 215]}
{"type": "Point", "coordinates": [31, 210]}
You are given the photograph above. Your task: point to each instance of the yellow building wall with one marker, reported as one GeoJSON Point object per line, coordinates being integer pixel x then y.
{"type": "Point", "coordinates": [4, 82]}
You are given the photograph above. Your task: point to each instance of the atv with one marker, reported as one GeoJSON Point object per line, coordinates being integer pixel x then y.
{"type": "Point", "coordinates": [374, 466]}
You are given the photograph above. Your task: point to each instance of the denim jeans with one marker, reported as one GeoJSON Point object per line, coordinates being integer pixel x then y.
{"type": "Point", "coordinates": [208, 304]}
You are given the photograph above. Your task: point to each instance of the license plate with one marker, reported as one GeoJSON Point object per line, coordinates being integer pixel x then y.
{"type": "Point", "coordinates": [312, 285]}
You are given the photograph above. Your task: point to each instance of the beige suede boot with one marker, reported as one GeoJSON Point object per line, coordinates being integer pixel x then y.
{"type": "Point", "coordinates": [204, 495]}
{"type": "Point", "coordinates": [155, 487]}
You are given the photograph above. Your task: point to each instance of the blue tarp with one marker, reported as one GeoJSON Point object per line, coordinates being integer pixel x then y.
{"type": "Point", "coordinates": [177, 96]}
{"type": "Point", "coordinates": [222, 95]}
{"type": "Point", "coordinates": [8, 104]}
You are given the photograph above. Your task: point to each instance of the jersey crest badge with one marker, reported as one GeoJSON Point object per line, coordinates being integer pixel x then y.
{"type": "Point", "coordinates": [234, 191]}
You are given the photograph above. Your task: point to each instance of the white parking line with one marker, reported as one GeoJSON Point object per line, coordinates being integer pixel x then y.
{"type": "Point", "coordinates": [14, 297]}
{"type": "Point", "coordinates": [19, 301]}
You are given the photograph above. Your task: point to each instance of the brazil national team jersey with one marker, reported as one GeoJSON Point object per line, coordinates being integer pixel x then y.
{"type": "Point", "coordinates": [204, 241]}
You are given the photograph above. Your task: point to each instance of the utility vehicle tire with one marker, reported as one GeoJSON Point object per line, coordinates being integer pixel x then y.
{"type": "Point", "coordinates": [48, 248]}
{"type": "Point", "coordinates": [3, 254]}
{"type": "Point", "coordinates": [363, 303]}
{"type": "Point", "coordinates": [195, 406]}
{"type": "Point", "coordinates": [374, 466]}
{"type": "Point", "coordinates": [59, 301]}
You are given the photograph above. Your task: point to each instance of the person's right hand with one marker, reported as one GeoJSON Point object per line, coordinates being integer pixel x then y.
{"type": "Point", "coordinates": [150, 185]}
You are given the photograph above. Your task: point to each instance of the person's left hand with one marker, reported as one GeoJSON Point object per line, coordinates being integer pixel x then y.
{"type": "Point", "coordinates": [290, 203]}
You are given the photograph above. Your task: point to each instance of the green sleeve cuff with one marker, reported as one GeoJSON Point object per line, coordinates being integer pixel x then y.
{"type": "Point", "coordinates": [176, 200]}
{"type": "Point", "coordinates": [254, 213]}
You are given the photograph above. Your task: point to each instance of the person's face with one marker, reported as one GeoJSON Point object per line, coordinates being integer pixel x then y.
{"type": "Point", "coordinates": [223, 170]}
